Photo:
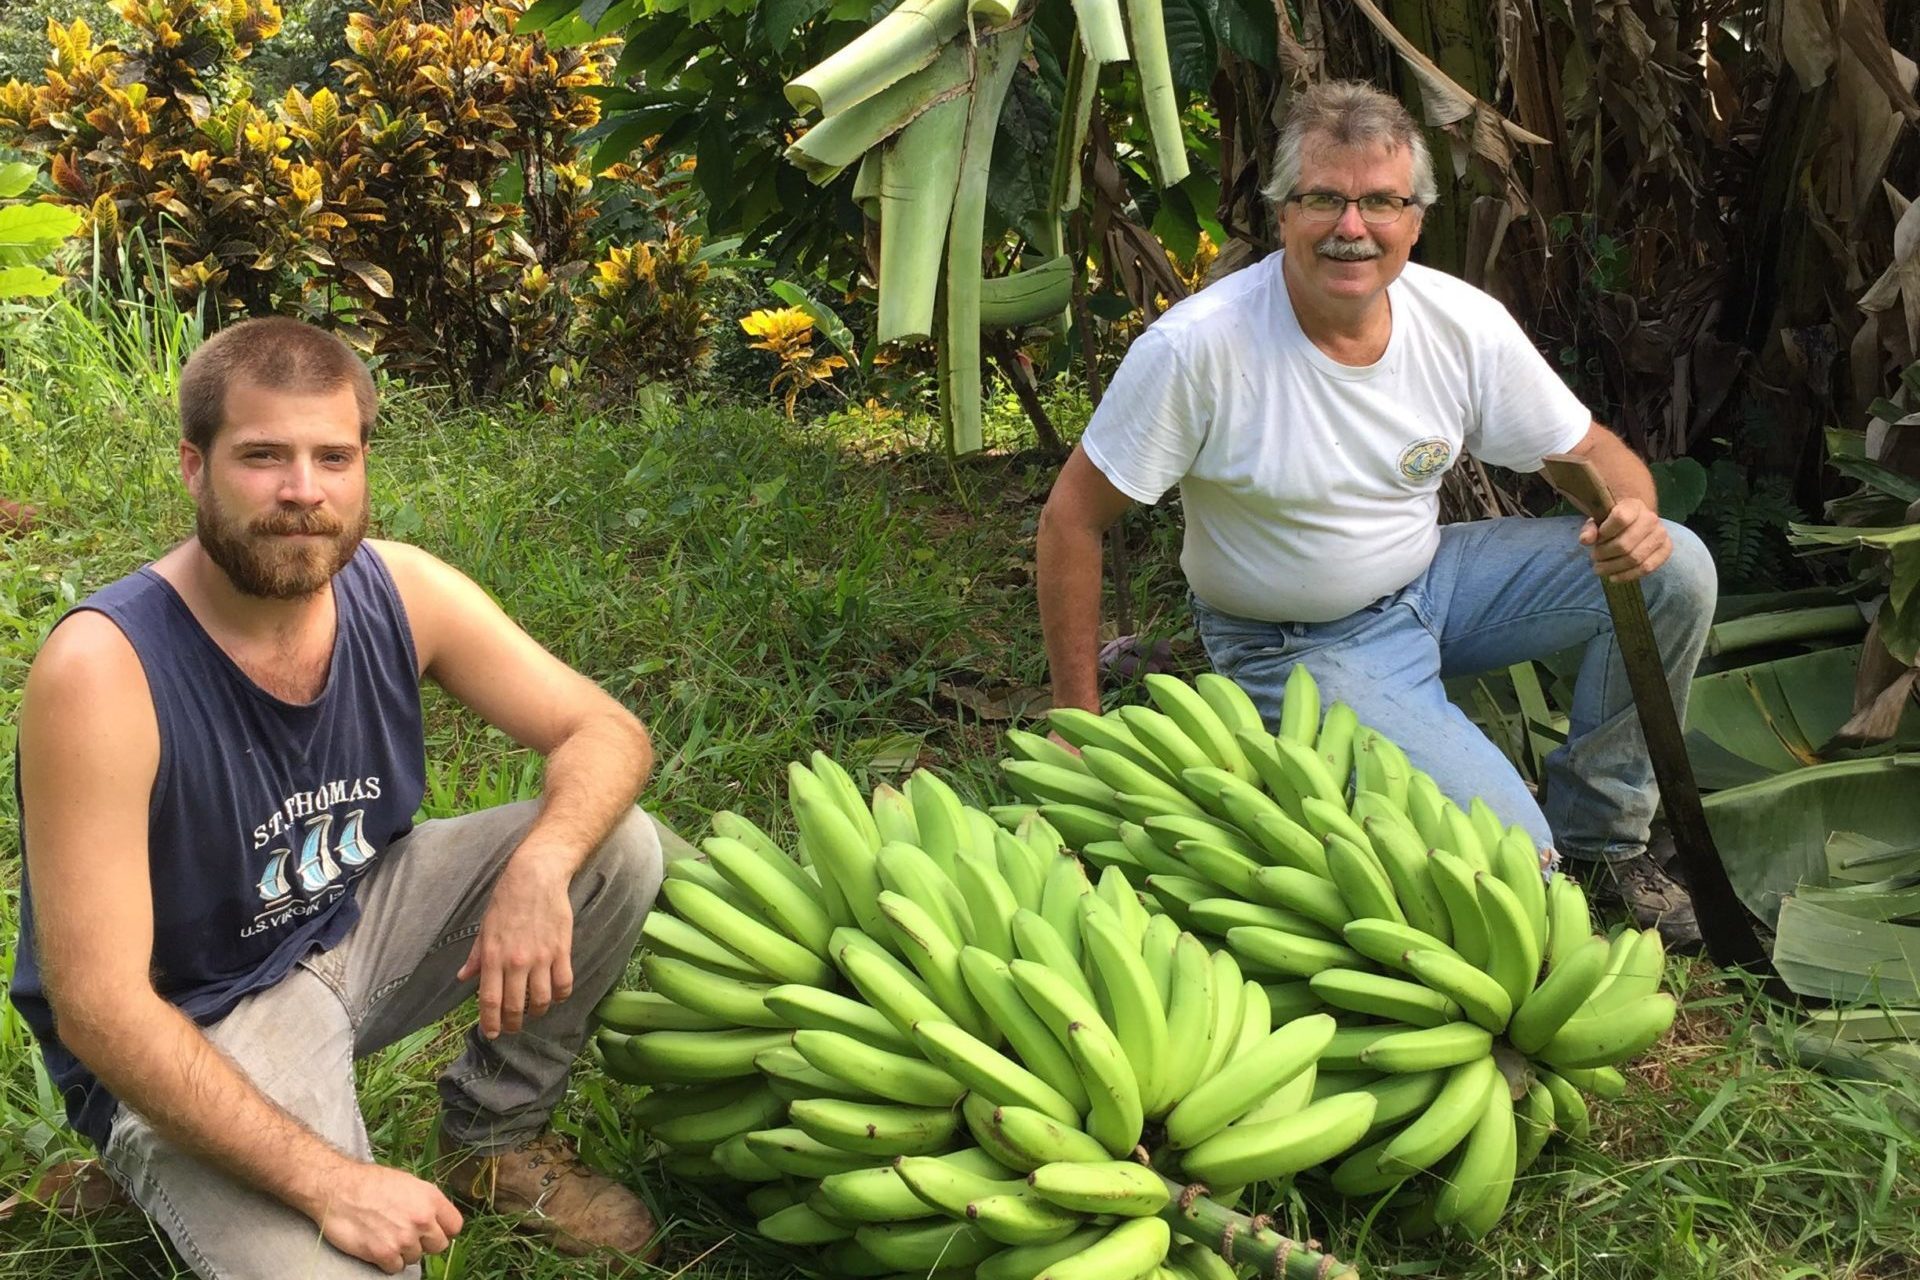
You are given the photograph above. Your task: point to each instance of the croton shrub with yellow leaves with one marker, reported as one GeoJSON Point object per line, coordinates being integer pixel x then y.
{"type": "Point", "coordinates": [436, 210]}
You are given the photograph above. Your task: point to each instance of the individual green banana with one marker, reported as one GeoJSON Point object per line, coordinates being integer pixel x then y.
{"type": "Point", "coordinates": [1121, 774]}
{"type": "Point", "coordinates": [1062, 888]}
{"type": "Point", "coordinates": [921, 1247]}
{"type": "Point", "coordinates": [738, 1161]}
{"type": "Point", "coordinates": [790, 1075]}
{"type": "Point", "coordinates": [1302, 892]}
{"type": "Point", "coordinates": [1334, 746]}
{"type": "Point", "coordinates": [1463, 838]}
{"type": "Point", "coordinates": [1158, 733]}
{"type": "Point", "coordinates": [1381, 766]}
{"type": "Point", "coordinates": [1045, 784]}
{"type": "Point", "coordinates": [1232, 872]}
{"type": "Point", "coordinates": [1217, 915]}
{"type": "Point", "coordinates": [883, 981]}
{"type": "Point", "coordinates": [1289, 953]}
{"type": "Point", "coordinates": [733, 826]}
{"type": "Point", "coordinates": [946, 1183]}
{"type": "Point", "coordinates": [1277, 1148]}
{"type": "Point", "coordinates": [1517, 861]}
{"type": "Point", "coordinates": [1022, 866]}
{"type": "Point", "coordinates": [1156, 952]}
{"type": "Point", "coordinates": [798, 1155]}
{"type": "Point", "coordinates": [893, 812]}
{"type": "Point", "coordinates": [668, 934]}
{"type": "Point", "coordinates": [1533, 1124]}
{"type": "Point", "coordinates": [1170, 829]}
{"type": "Point", "coordinates": [1117, 891]}
{"type": "Point", "coordinates": [847, 793]}
{"type": "Point", "coordinates": [1196, 718]}
{"type": "Point", "coordinates": [990, 901]}
{"type": "Point", "coordinates": [1569, 923]}
{"type": "Point", "coordinates": [1038, 747]}
{"type": "Point", "coordinates": [1401, 1097]}
{"type": "Point", "coordinates": [1427, 1049]}
{"type": "Point", "coordinates": [841, 854]}
{"type": "Point", "coordinates": [777, 956]}
{"type": "Point", "coordinates": [800, 1224]}
{"type": "Point", "coordinates": [1281, 839]}
{"type": "Point", "coordinates": [1289, 1000]}
{"type": "Point", "coordinates": [1395, 999]}
{"type": "Point", "coordinates": [696, 1057]}
{"type": "Point", "coordinates": [877, 1129]}
{"type": "Point", "coordinates": [794, 907]}
{"type": "Point", "coordinates": [1177, 894]}
{"type": "Point", "coordinates": [1007, 816]}
{"type": "Point", "coordinates": [774, 1195]}
{"type": "Point", "coordinates": [1385, 942]}
{"type": "Point", "coordinates": [1607, 1038]}
{"type": "Point", "coordinates": [1300, 706]}
{"type": "Point", "coordinates": [1480, 1182]}
{"type": "Point", "coordinates": [1274, 771]}
{"type": "Point", "coordinates": [632, 1012]}
{"type": "Point", "coordinates": [1256, 1019]}
{"type": "Point", "coordinates": [1478, 993]}
{"type": "Point", "coordinates": [1342, 1054]}
{"type": "Point", "coordinates": [1639, 974]}
{"type": "Point", "coordinates": [1114, 1114]}
{"type": "Point", "coordinates": [1119, 1187]}
{"type": "Point", "coordinates": [1602, 1082]}
{"type": "Point", "coordinates": [700, 871]}
{"type": "Point", "coordinates": [1125, 991]}
{"type": "Point", "coordinates": [1113, 853]}
{"type": "Point", "coordinates": [1404, 859]}
{"type": "Point", "coordinates": [1465, 917]}
{"type": "Point", "coordinates": [1229, 701]}
{"type": "Point", "coordinates": [1022, 1218]}
{"type": "Point", "coordinates": [992, 985]}
{"type": "Point", "coordinates": [736, 1003]}
{"type": "Point", "coordinates": [1513, 956]}
{"type": "Point", "coordinates": [1147, 851]}
{"type": "Point", "coordinates": [987, 1071]}
{"type": "Point", "coordinates": [1243, 1082]}
{"type": "Point", "coordinates": [1084, 729]}
{"type": "Point", "coordinates": [1558, 997]}
{"type": "Point", "coordinates": [1486, 824]}
{"type": "Point", "coordinates": [1570, 1114]}
{"type": "Point", "coordinates": [663, 1101]}
{"type": "Point", "coordinates": [1027, 1139]}
{"type": "Point", "coordinates": [1228, 990]}
{"type": "Point", "coordinates": [1308, 776]}
{"type": "Point", "coordinates": [911, 872]}
{"type": "Point", "coordinates": [1037, 941]}
{"type": "Point", "coordinates": [938, 816]}
{"type": "Point", "coordinates": [1363, 885]}
{"type": "Point", "coordinates": [936, 958]}
{"type": "Point", "coordinates": [1127, 1252]}
{"type": "Point", "coordinates": [1189, 1015]}
{"type": "Point", "coordinates": [1363, 1174]}
{"type": "Point", "coordinates": [893, 1076]}
{"type": "Point", "coordinates": [700, 1129]}
{"type": "Point", "coordinates": [1446, 1120]}
{"type": "Point", "coordinates": [1024, 1262]}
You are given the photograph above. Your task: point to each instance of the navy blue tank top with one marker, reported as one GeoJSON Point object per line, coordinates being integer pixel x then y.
{"type": "Point", "coordinates": [264, 814]}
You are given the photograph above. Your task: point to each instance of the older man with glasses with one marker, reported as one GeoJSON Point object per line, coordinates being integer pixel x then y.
{"type": "Point", "coordinates": [1308, 407]}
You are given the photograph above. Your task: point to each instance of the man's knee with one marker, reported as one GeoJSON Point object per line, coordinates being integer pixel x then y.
{"type": "Point", "coordinates": [1687, 583]}
{"type": "Point", "coordinates": [627, 866]}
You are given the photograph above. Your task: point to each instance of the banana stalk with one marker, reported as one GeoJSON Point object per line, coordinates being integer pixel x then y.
{"type": "Point", "coordinates": [996, 58]}
{"type": "Point", "coordinates": [896, 46]}
{"type": "Point", "coordinates": [1083, 84]}
{"type": "Point", "coordinates": [993, 12]}
{"type": "Point", "coordinates": [1214, 1225]}
{"type": "Point", "coordinates": [825, 150]}
{"type": "Point", "coordinates": [866, 185]}
{"type": "Point", "coordinates": [918, 171]}
{"type": "Point", "coordinates": [1146, 28]}
{"type": "Point", "coordinates": [1024, 297]}
{"type": "Point", "coordinates": [1102, 31]}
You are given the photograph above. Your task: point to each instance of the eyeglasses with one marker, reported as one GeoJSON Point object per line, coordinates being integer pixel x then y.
{"type": "Point", "coordinates": [1376, 209]}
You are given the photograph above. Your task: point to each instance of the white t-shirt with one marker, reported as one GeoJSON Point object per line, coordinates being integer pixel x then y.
{"type": "Point", "coordinates": [1311, 488]}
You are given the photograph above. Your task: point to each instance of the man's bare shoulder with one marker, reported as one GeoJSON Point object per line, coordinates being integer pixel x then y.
{"type": "Point", "coordinates": [88, 655]}
{"type": "Point", "coordinates": [87, 697]}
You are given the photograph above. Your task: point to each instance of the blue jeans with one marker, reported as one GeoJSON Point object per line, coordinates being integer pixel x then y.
{"type": "Point", "coordinates": [1497, 592]}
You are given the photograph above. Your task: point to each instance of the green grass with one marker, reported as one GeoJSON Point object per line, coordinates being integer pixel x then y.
{"type": "Point", "coordinates": [754, 590]}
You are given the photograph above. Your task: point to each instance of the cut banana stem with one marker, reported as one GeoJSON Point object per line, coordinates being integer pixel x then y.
{"type": "Point", "coordinates": [899, 44]}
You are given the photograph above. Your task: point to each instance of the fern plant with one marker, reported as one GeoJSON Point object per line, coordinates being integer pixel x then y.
{"type": "Point", "coordinates": [1744, 522]}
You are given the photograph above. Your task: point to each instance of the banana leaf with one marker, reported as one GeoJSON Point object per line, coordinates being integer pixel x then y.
{"type": "Point", "coordinates": [1835, 955]}
{"type": "Point", "coordinates": [1879, 1046]}
{"type": "Point", "coordinates": [1775, 835]}
{"type": "Point", "coordinates": [1755, 721]}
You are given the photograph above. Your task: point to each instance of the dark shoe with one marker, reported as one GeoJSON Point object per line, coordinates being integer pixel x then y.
{"type": "Point", "coordinates": [1650, 897]}
{"type": "Point", "coordinates": [542, 1182]}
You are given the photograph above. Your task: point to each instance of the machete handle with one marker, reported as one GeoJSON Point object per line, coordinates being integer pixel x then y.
{"type": "Point", "coordinates": [1578, 481]}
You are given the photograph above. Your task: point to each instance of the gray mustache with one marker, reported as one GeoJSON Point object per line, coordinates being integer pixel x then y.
{"type": "Point", "coordinates": [1347, 250]}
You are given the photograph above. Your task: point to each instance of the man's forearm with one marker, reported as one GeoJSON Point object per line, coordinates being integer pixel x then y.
{"type": "Point", "coordinates": [155, 1060]}
{"type": "Point", "coordinates": [1626, 474]}
{"type": "Point", "coordinates": [1067, 571]}
{"type": "Point", "coordinates": [592, 780]}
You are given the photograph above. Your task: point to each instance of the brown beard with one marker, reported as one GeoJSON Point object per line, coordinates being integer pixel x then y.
{"type": "Point", "coordinates": [259, 564]}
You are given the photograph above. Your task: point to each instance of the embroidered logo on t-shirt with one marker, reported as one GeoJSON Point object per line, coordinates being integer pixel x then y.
{"type": "Point", "coordinates": [1424, 459]}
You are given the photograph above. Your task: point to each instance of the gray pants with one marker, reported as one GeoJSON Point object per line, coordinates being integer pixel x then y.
{"type": "Point", "coordinates": [392, 974]}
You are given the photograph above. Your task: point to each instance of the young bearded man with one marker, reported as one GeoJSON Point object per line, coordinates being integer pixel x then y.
{"type": "Point", "coordinates": [1308, 408]}
{"type": "Point", "coordinates": [226, 901]}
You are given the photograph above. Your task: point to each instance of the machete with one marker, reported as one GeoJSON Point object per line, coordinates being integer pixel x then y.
{"type": "Point", "coordinates": [1724, 923]}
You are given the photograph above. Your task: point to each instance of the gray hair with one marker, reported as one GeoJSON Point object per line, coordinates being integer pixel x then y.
{"type": "Point", "coordinates": [1348, 113]}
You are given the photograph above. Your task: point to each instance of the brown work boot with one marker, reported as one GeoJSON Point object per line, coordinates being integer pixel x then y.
{"type": "Point", "coordinates": [542, 1182]}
